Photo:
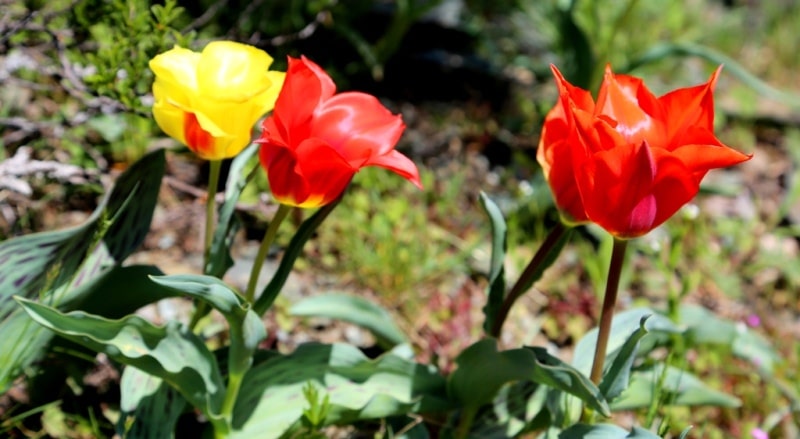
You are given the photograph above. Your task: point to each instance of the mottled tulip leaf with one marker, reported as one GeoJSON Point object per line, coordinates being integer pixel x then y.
{"type": "Point", "coordinates": [482, 370]}
{"type": "Point", "coordinates": [356, 310]}
{"type": "Point", "coordinates": [290, 255]}
{"type": "Point", "coordinates": [220, 259]}
{"type": "Point", "coordinates": [271, 402]}
{"type": "Point", "coordinates": [59, 267]}
{"type": "Point", "coordinates": [172, 352]}
{"type": "Point", "coordinates": [149, 407]}
{"type": "Point", "coordinates": [497, 279]}
{"type": "Point", "coordinates": [246, 328]}
{"type": "Point", "coordinates": [605, 431]}
{"type": "Point", "coordinates": [676, 386]}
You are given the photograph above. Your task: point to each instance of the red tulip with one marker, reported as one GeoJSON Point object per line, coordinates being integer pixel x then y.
{"type": "Point", "coordinates": [630, 160]}
{"type": "Point", "coordinates": [315, 140]}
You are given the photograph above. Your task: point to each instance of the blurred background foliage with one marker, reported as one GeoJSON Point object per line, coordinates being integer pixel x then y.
{"type": "Point", "coordinates": [472, 80]}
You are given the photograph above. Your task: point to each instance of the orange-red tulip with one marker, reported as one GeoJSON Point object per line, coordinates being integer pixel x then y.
{"type": "Point", "coordinates": [209, 101]}
{"type": "Point", "coordinates": [630, 160]}
{"type": "Point", "coordinates": [315, 140]}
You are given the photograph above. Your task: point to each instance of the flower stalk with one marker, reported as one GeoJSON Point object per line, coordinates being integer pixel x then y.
{"type": "Point", "coordinates": [607, 312]}
{"type": "Point", "coordinates": [533, 271]}
{"type": "Point", "coordinates": [269, 238]}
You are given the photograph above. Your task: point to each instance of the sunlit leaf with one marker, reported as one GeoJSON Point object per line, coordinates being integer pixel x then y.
{"type": "Point", "coordinates": [356, 310]}
{"type": "Point", "coordinates": [149, 407]}
{"type": "Point", "coordinates": [678, 387]}
{"type": "Point", "coordinates": [60, 267]}
{"type": "Point", "coordinates": [497, 280]}
{"type": "Point", "coordinates": [605, 431]}
{"type": "Point", "coordinates": [171, 352]}
{"type": "Point", "coordinates": [482, 370]}
{"type": "Point", "coordinates": [271, 404]}
{"type": "Point", "coordinates": [616, 378]}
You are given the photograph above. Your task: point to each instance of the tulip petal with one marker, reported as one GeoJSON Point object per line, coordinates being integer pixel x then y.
{"type": "Point", "coordinates": [304, 89]}
{"type": "Point", "coordinates": [618, 100]}
{"type": "Point", "coordinates": [580, 97]}
{"type": "Point", "coordinates": [704, 157]}
{"type": "Point", "coordinates": [232, 71]}
{"type": "Point", "coordinates": [312, 175]}
{"type": "Point", "coordinates": [176, 67]}
{"type": "Point", "coordinates": [170, 119]}
{"type": "Point", "coordinates": [358, 125]}
{"type": "Point", "coordinates": [399, 164]}
{"type": "Point", "coordinates": [631, 191]}
{"type": "Point", "coordinates": [690, 107]}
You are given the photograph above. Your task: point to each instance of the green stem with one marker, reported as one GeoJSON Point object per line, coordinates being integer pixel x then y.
{"type": "Point", "coordinates": [607, 313]}
{"type": "Point", "coordinates": [232, 392]}
{"type": "Point", "coordinates": [269, 237]}
{"type": "Point", "coordinates": [201, 309]}
{"type": "Point", "coordinates": [532, 271]}
{"type": "Point", "coordinates": [465, 423]}
{"type": "Point", "coordinates": [213, 180]}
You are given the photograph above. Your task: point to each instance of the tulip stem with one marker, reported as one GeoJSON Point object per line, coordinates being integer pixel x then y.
{"type": "Point", "coordinates": [530, 274]}
{"type": "Point", "coordinates": [211, 204]}
{"type": "Point", "coordinates": [214, 166]}
{"type": "Point", "coordinates": [607, 312]}
{"type": "Point", "coordinates": [269, 237]}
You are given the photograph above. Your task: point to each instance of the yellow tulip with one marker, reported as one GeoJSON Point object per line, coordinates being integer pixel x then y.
{"type": "Point", "coordinates": [209, 101]}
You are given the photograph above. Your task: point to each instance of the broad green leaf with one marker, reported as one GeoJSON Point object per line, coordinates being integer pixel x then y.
{"type": "Point", "coordinates": [53, 266]}
{"type": "Point", "coordinates": [705, 327]}
{"type": "Point", "coordinates": [356, 310]}
{"type": "Point", "coordinates": [271, 401]}
{"type": "Point", "coordinates": [122, 291]}
{"type": "Point", "coordinates": [482, 370]}
{"type": "Point", "coordinates": [616, 378]}
{"type": "Point", "coordinates": [246, 328]}
{"type": "Point", "coordinates": [290, 255]}
{"type": "Point", "coordinates": [605, 431]}
{"type": "Point", "coordinates": [149, 407]}
{"type": "Point", "coordinates": [623, 325]}
{"type": "Point", "coordinates": [171, 352]}
{"type": "Point", "coordinates": [227, 224]}
{"type": "Point", "coordinates": [679, 388]}
{"type": "Point", "coordinates": [497, 279]}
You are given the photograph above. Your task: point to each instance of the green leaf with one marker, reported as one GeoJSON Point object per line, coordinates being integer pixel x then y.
{"type": "Point", "coordinates": [53, 266]}
{"type": "Point", "coordinates": [605, 431]}
{"type": "Point", "coordinates": [149, 407]}
{"type": "Point", "coordinates": [482, 370]}
{"type": "Point", "coordinates": [356, 310]}
{"type": "Point", "coordinates": [271, 401]}
{"type": "Point", "coordinates": [705, 327]}
{"type": "Point", "coordinates": [123, 290]}
{"type": "Point", "coordinates": [497, 281]}
{"type": "Point", "coordinates": [623, 325]}
{"type": "Point", "coordinates": [290, 255]}
{"type": "Point", "coordinates": [679, 388]}
{"type": "Point", "coordinates": [171, 352]}
{"type": "Point", "coordinates": [227, 224]}
{"type": "Point", "coordinates": [246, 328]}
{"type": "Point", "coordinates": [616, 378]}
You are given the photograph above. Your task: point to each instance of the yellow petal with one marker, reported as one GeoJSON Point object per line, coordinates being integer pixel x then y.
{"type": "Point", "coordinates": [232, 71]}
{"type": "Point", "coordinates": [171, 119]}
{"type": "Point", "coordinates": [177, 66]}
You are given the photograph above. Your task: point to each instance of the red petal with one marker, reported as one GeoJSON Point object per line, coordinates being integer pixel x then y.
{"type": "Point", "coordinates": [306, 86]}
{"type": "Point", "coordinates": [582, 98]}
{"type": "Point", "coordinates": [618, 99]}
{"type": "Point", "coordinates": [358, 125]}
{"type": "Point", "coordinates": [399, 164]}
{"type": "Point", "coordinates": [690, 107]}
{"type": "Point", "coordinates": [630, 191]}
{"type": "Point", "coordinates": [326, 172]}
